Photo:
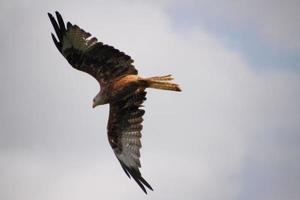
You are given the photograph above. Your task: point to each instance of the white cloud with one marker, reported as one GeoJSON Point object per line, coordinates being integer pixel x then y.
{"type": "Point", "coordinates": [195, 144]}
{"type": "Point", "coordinates": [275, 20]}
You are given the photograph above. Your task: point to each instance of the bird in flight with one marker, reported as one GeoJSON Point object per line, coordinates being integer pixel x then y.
{"type": "Point", "coordinates": [120, 87]}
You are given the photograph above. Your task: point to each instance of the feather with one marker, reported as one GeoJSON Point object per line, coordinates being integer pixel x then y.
{"type": "Point", "coordinates": [89, 55]}
{"type": "Point", "coordinates": [60, 22]}
{"type": "Point", "coordinates": [120, 87]}
{"type": "Point", "coordinates": [55, 26]}
{"type": "Point", "coordinates": [57, 44]}
{"type": "Point", "coordinates": [124, 133]}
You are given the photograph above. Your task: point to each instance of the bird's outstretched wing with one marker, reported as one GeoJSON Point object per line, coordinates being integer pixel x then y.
{"type": "Point", "coordinates": [124, 133]}
{"type": "Point", "coordinates": [85, 53]}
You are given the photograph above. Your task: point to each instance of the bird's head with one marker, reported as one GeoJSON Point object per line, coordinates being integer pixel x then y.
{"type": "Point", "coordinates": [99, 99]}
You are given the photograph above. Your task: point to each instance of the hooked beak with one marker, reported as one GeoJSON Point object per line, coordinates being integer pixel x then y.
{"type": "Point", "coordinates": [98, 101]}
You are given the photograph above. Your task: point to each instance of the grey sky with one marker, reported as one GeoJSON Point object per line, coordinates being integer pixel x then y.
{"type": "Point", "coordinates": [233, 133]}
{"type": "Point", "coordinates": [265, 32]}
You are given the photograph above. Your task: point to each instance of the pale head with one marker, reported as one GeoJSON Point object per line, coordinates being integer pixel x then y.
{"type": "Point", "coordinates": [99, 99]}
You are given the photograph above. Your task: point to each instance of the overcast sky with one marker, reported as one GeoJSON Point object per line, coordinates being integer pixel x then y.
{"type": "Point", "coordinates": [232, 134]}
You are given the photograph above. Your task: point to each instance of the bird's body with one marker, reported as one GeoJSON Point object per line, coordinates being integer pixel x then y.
{"type": "Point", "coordinates": [120, 87]}
{"type": "Point", "coordinates": [114, 89]}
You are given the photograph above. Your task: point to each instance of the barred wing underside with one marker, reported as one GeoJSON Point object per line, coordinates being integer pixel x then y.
{"type": "Point", "coordinates": [124, 133]}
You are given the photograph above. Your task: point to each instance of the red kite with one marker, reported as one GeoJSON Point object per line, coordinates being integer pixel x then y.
{"type": "Point", "coordinates": [120, 87]}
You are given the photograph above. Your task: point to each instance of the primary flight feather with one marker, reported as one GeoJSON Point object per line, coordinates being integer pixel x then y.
{"type": "Point", "coordinates": [120, 87]}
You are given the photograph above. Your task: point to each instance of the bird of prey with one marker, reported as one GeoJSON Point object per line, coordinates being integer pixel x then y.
{"type": "Point", "coordinates": [120, 87]}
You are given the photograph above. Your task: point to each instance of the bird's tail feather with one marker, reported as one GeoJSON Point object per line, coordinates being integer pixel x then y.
{"type": "Point", "coordinates": [162, 83]}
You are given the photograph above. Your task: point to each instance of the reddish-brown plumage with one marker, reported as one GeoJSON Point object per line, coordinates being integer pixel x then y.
{"type": "Point", "coordinates": [123, 81]}
{"type": "Point", "coordinates": [121, 87]}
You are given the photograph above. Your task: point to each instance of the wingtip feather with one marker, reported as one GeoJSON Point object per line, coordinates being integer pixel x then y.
{"type": "Point", "coordinates": [55, 26]}
{"type": "Point", "coordinates": [57, 44]}
{"type": "Point", "coordinates": [60, 21]}
{"type": "Point", "coordinates": [69, 25]}
{"type": "Point", "coordinates": [136, 175]}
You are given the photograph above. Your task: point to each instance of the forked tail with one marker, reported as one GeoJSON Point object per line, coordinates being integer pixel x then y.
{"type": "Point", "coordinates": [162, 83]}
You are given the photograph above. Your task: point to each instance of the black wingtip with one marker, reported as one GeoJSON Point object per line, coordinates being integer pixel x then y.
{"type": "Point", "coordinates": [60, 21]}
{"type": "Point", "coordinates": [58, 15]}
{"type": "Point", "coordinates": [136, 175]}
{"type": "Point", "coordinates": [145, 183]}
{"type": "Point", "coordinates": [57, 44]}
{"type": "Point", "coordinates": [140, 180]}
{"type": "Point", "coordinates": [57, 29]}
{"type": "Point", "coordinates": [124, 168]}
{"type": "Point", "coordinates": [69, 25]}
